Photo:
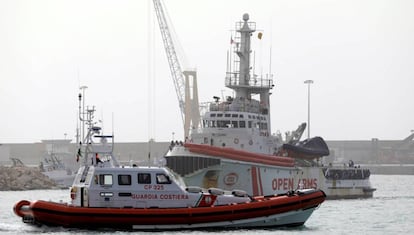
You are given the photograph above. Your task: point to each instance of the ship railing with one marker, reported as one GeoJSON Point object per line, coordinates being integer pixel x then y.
{"type": "Point", "coordinates": [233, 80]}
{"type": "Point", "coordinates": [240, 24]}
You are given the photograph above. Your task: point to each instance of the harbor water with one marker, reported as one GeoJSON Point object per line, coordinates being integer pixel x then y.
{"type": "Point", "coordinates": [390, 211]}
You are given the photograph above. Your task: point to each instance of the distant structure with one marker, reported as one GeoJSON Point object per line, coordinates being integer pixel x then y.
{"type": "Point", "coordinates": [373, 151]}
{"type": "Point", "coordinates": [187, 95]}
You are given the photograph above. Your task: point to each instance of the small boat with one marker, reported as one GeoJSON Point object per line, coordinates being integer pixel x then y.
{"type": "Point", "coordinates": [151, 198]}
{"type": "Point", "coordinates": [57, 162]}
{"type": "Point", "coordinates": [160, 203]}
{"type": "Point", "coordinates": [53, 167]}
{"type": "Point", "coordinates": [106, 194]}
{"type": "Point", "coordinates": [308, 149]}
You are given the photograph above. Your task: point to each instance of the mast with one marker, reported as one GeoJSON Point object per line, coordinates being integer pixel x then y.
{"type": "Point", "coordinates": [244, 55]}
{"type": "Point", "coordinates": [242, 80]}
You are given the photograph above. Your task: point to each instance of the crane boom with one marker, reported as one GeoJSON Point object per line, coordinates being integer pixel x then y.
{"type": "Point", "coordinates": [189, 106]}
{"type": "Point", "coordinates": [175, 67]}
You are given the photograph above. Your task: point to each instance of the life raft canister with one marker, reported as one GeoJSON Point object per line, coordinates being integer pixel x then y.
{"type": "Point", "coordinates": [73, 192]}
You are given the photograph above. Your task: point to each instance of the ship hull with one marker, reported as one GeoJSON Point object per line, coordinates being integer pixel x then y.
{"type": "Point", "coordinates": [266, 180]}
{"type": "Point", "coordinates": [257, 178]}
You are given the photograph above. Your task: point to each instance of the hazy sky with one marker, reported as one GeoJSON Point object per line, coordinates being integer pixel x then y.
{"type": "Point", "coordinates": [360, 54]}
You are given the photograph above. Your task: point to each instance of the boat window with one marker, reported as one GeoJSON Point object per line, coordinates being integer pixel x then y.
{"type": "Point", "coordinates": [213, 124]}
{"type": "Point", "coordinates": [241, 116]}
{"type": "Point", "coordinates": [227, 115]}
{"type": "Point", "coordinates": [124, 179]}
{"type": "Point", "coordinates": [234, 115]}
{"type": "Point", "coordinates": [144, 178]}
{"type": "Point", "coordinates": [105, 180]}
{"type": "Point", "coordinates": [235, 124]}
{"type": "Point", "coordinates": [222, 124]}
{"type": "Point", "coordinates": [219, 115]}
{"type": "Point", "coordinates": [250, 124]}
{"type": "Point", "coordinates": [242, 124]}
{"type": "Point", "coordinates": [249, 116]}
{"type": "Point", "coordinates": [212, 114]}
{"type": "Point", "coordinates": [163, 179]}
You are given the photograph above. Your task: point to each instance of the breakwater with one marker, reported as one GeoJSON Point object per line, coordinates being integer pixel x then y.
{"type": "Point", "coordinates": [23, 178]}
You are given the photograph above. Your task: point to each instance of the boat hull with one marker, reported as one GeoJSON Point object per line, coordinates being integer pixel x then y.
{"type": "Point", "coordinates": [273, 211]}
{"type": "Point", "coordinates": [265, 180]}
{"type": "Point", "coordinates": [258, 178]}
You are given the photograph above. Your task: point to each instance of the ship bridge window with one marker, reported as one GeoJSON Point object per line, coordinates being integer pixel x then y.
{"type": "Point", "coordinates": [212, 114]}
{"type": "Point", "coordinates": [144, 178]}
{"type": "Point", "coordinates": [105, 180]}
{"type": "Point", "coordinates": [222, 124]}
{"type": "Point", "coordinates": [234, 115]}
{"type": "Point", "coordinates": [227, 115]}
{"type": "Point", "coordinates": [219, 115]}
{"type": "Point", "coordinates": [242, 124]}
{"type": "Point", "coordinates": [234, 124]}
{"type": "Point", "coordinates": [124, 179]}
{"type": "Point", "coordinates": [212, 124]}
{"type": "Point", "coordinates": [163, 179]}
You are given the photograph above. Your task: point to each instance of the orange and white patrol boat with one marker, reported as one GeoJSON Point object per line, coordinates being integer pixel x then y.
{"type": "Point", "coordinates": [105, 194]}
{"type": "Point", "coordinates": [235, 149]}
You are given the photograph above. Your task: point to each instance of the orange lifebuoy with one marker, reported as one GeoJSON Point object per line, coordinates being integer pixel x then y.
{"type": "Point", "coordinates": [18, 207]}
{"type": "Point", "coordinates": [236, 140]}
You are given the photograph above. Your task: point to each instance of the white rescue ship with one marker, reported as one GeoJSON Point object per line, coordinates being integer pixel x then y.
{"type": "Point", "coordinates": [234, 147]}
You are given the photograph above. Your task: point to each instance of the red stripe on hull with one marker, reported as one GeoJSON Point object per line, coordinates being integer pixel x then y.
{"type": "Point", "coordinates": [255, 188]}
{"type": "Point", "coordinates": [240, 155]}
{"type": "Point", "coordinates": [260, 181]}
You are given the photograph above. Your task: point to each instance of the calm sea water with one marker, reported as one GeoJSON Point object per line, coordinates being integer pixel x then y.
{"type": "Point", "coordinates": [390, 211]}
